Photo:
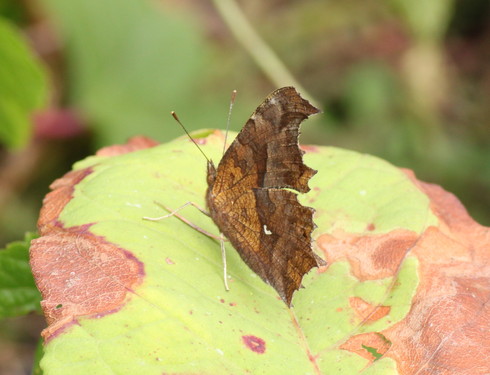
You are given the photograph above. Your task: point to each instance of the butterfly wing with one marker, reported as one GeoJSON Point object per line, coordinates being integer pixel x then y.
{"type": "Point", "coordinates": [265, 223]}
{"type": "Point", "coordinates": [267, 147]}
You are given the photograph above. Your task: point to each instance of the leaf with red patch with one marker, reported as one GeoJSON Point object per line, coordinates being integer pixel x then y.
{"type": "Point", "coordinates": [406, 288]}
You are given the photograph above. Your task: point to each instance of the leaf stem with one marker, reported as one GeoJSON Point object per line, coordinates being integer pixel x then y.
{"type": "Point", "coordinates": [263, 55]}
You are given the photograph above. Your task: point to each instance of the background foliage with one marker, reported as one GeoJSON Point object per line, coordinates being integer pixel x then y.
{"type": "Point", "coordinates": [407, 81]}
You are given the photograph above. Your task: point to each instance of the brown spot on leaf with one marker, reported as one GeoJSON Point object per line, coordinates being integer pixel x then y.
{"type": "Point", "coordinates": [254, 343]}
{"type": "Point", "coordinates": [77, 272]}
{"type": "Point", "coordinates": [449, 319]}
{"type": "Point", "coordinates": [371, 346]}
{"type": "Point", "coordinates": [370, 227]}
{"type": "Point", "coordinates": [446, 329]}
{"type": "Point", "coordinates": [55, 201]}
{"type": "Point", "coordinates": [200, 141]}
{"type": "Point", "coordinates": [371, 257]}
{"type": "Point", "coordinates": [309, 148]}
{"type": "Point", "coordinates": [367, 312]}
{"type": "Point", "coordinates": [133, 144]}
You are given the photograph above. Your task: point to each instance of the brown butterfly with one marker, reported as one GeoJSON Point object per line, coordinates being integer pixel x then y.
{"type": "Point", "coordinates": [248, 200]}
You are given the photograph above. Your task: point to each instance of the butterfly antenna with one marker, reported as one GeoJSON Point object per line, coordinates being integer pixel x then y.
{"type": "Point", "coordinates": [232, 101]}
{"type": "Point", "coordinates": [174, 115]}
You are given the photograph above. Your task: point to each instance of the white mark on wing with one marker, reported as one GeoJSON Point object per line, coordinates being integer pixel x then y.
{"type": "Point", "coordinates": [266, 230]}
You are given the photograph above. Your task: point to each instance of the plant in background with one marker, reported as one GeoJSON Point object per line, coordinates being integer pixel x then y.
{"type": "Point", "coordinates": [400, 80]}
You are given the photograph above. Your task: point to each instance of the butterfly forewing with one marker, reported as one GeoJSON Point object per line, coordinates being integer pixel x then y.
{"type": "Point", "coordinates": [267, 147]}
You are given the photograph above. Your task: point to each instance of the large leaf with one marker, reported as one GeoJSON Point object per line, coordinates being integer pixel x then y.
{"type": "Point", "coordinates": [405, 291]}
{"type": "Point", "coordinates": [23, 86]}
{"type": "Point", "coordinates": [132, 62]}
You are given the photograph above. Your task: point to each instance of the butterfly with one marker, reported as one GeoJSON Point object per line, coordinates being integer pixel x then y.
{"type": "Point", "coordinates": [250, 197]}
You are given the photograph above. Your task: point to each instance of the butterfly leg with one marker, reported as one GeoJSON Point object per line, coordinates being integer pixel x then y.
{"type": "Point", "coordinates": [174, 213]}
{"type": "Point", "coordinates": [223, 256]}
{"type": "Point", "coordinates": [221, 238]}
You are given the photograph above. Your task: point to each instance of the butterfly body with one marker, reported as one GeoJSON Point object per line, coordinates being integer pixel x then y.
{"type": "Point", "coordinates": [248, 200]}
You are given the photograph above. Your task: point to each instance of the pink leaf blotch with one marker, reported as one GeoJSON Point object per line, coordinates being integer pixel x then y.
{"type": "Point", "coordinates": [254, 343]}
{"type": "Point", "coordinates": [77, 272]}
{"type": "Point", "coordinates": [448, 321]}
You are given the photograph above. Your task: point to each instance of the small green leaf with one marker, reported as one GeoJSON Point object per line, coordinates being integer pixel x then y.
{"type": "Point", "coordinates": [38, 355]}
{"type": "Point", "coordinates": [23, 86]}
{"type": "Point", "coordinates": [373, 351]}
{"type": "Point", "coordinates": [18, 293]}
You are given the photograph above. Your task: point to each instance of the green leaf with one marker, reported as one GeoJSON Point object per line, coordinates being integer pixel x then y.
{"type": "Point", "coordinates": [23, 86]}
{"type": "Point", "coordinates": [132, 62]}
{"type": "Point", "coordinates": [176, 316]}
{"type": "Point", "coordinates": [18, 293]}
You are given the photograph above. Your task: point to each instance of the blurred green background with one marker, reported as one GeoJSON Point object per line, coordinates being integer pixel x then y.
{"type": "Point", "coordinates": [406, 80]}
